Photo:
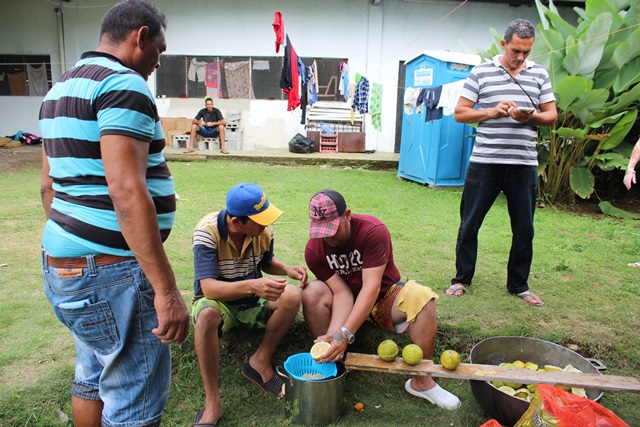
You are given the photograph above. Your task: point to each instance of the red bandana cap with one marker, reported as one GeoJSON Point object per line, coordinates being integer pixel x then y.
{"type": "Point", "coordinates": [249, 200]}
{"type": "Point", "coordinates": [325, 209]}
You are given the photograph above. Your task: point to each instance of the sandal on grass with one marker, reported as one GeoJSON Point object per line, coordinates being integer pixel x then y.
{"type": "Point", "coordinates": [526, 294]}
{"type": "Point", "coordinates": [197, 423]}
{"type": "Point", "coordinates": [274, 385]}
{"type": "Point", "coordinates": [456, 288]}
{"type": "Point", "coordinates": [634, 264]}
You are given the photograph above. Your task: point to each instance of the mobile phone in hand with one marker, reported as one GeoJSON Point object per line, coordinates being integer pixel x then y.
{"type": "Point", "coordinates": [527, 109]}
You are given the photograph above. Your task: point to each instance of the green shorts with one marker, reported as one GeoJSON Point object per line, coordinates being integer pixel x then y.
{"type": "Point", "coordinates": [252, 317]}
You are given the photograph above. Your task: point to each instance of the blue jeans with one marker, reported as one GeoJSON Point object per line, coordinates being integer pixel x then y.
{"type": "Point", "coordinates": [110, 313]}
{"type": "Point", "coordinates": [482, 185]}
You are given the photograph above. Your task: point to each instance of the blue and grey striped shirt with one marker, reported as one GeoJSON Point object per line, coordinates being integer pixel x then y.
{"type": "Point", "coordinates": [98, 96]}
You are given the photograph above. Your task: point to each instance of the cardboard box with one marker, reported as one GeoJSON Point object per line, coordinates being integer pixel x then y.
{"type": "Point", "coordinates": [174, 126]}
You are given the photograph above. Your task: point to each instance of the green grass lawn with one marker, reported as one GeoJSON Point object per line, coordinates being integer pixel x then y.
{"type": "Point", "coordinates": [580, 270]}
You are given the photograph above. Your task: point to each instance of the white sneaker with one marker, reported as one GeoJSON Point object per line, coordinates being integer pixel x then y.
{"type": "Point", "coordinates": [437, 395]}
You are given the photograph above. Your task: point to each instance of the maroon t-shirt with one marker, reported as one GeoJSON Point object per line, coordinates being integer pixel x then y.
{"type": "Point", "coordinates": [369, 246]}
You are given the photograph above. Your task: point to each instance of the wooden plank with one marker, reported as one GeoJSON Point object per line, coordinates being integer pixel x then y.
{"type": "Point", "coordinates": [469, 371]}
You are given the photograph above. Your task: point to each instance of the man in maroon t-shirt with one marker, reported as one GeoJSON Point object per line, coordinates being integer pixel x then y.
{"type": "Point", "coordinates": [352, 258]}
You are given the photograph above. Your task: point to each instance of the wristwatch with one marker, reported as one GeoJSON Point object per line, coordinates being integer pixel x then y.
{"type": "Point", "coordinates": [350, 337]}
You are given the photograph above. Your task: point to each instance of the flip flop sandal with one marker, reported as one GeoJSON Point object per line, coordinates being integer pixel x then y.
{"type": "Point", "coordinates": [525, 294]}
{"type": "Point", "coordinates": [197, 423]}
{"type": "Point", "coordinates": [274, 385]}
{"type": "Point", "coordinates": [456, 288]}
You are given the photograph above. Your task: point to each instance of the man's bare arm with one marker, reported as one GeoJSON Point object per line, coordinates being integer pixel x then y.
{"type": "Point", "coordinates": [125, 165]}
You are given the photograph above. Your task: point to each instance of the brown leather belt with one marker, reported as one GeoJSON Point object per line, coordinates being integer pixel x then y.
{"type": "Point", "coordinates": [81, 262]}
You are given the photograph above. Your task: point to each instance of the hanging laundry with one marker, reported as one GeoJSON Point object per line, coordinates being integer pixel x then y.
{"type": "Point", "coordinates": [213, 79]}
{"type": "Point", "coordinates": [314, 76]}
{"type": "Point", "coordinates": [312, 85]}
{"type": "Point", "coordinates": [289, 82]}
{"type": "Point", "coordinates": [197, 70]}
{"type": "Point", "coordinates": [361, 96]}
{"type": "Point", "coordinates": [37, 76]}
{"type": "Point", "coordinates": [351, 111]}
{"type": "Point", "coordinates": [304, 98]}
{"type": "Point", "coordinates": [278, 27]}
{"type": "Point", "coordinates": [410, 98]}
{"type": "Point", "coordinates": [17, 84]}
{"type": "Point", "coordinates": [344, 80]}
{"type": "Point", "coordinates": [375, 106]}
{"type": "Point", "coordinates": [449, 97]}
{"type": "Point", "coordinates": [431, 97]}
{"type": "Point", "coordinates": [238, 79]}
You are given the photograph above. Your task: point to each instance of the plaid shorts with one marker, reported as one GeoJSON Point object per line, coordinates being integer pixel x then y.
{"type": "Point", "coordinates": [251, 317]}
{"type": "Point", "coordinates": [381, 312]}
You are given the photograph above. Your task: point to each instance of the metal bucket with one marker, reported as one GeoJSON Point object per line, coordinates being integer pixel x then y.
{"type": "Point", "coordinates": [506, 409]}
{"type": "Point", "coordinates": [313, 403]}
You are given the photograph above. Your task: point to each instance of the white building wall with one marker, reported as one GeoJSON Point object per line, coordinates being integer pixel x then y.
{"type": "Point", "coordinates": [375, 40]}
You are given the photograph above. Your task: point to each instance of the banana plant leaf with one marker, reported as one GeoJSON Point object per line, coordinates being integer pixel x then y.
{"type": "Point", "coordinates": [596, 8]}
{"type": "Point", "coordinates": [622, 102]}
{"type": "Point", "coordinates": [570, 133]}
{"type": "Point", "coordinates": [609, 161]}
{"type": "Point", "coordinates": [619, 130]}
{"type": "Point", "coordinates": [592, 101]}
{"type": "Point", "coordinates": [628, 50]}
{"type": "Point", "coordinates": [582, 181]}
{"type": "Point", "coordinates": [583, 55]}
{"type": "Point", "coordinates": [570, 89]}
{"type": "Point", "coordinates": [608, 209]}
{"type": "Point", "coordinates": [629, 75]}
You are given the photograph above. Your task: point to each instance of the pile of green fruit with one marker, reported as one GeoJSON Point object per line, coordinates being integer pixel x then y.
{"type": "Point", "coordinates": [524, 391]}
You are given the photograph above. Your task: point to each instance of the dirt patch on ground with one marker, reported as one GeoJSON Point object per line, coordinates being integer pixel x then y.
{"type": "Point", "coordinates": [19, 158]}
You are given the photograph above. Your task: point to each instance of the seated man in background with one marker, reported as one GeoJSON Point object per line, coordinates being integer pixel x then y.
{"type": "Point", "coordinates": [231, 249]}
{"type": "Point", "coordinates": [208, 123]}
{"type": "Point", "coordinates": [357, 279]}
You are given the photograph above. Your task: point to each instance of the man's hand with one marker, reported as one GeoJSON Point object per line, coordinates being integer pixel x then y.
{"type": "Point", "coordinates": [269, 288]}
{"type": "Point", "coordinates": [298, 273]}
{"type": "Point", "coordinates": [520, 116]}
{"type": "Point", "coordinates": [629, 180]}
{"type": "Point", "coordinates": [337, 349]}
{"type": "Point", "coordinates": [173, 317]}
{"type": "Point", "coordinates": [503, 109]}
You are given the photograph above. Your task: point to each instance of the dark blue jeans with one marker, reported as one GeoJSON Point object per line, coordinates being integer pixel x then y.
{"type": "Point", "coordinates": [482, 185]}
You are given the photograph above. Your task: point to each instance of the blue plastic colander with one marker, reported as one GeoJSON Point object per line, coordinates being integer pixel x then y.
{"type": "Point", "coordinates": [302, 364]}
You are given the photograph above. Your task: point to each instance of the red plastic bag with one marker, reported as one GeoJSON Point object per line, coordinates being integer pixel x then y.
{"type": "Point", "coordinates": [491, 423]}
{"type": "Point", "coordinates": [554, 407]}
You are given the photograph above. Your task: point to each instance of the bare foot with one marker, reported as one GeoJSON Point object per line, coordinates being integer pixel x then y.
{"type": "Point", "coordinates": [189, 151]}
{"type": "Point", "coordinates": [224, 151]}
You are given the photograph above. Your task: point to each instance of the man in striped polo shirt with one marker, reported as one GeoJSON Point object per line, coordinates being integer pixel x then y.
{"type": "Point", "coordinates": [513, 97]}
{"type": "Point", "coordinates": [110, 203]}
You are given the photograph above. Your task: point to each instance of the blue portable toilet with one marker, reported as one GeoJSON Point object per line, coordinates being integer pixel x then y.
{"type": "Point", "coordinates": [435, 152]}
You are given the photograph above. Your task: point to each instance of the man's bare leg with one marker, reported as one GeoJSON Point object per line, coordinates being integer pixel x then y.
{"type": "Point", "coordinates": [86, 413]}
{"type": "Point", "coordinates": [207, 346]}
{"type": "Point", "coordinates": [316, 307]}
{"type": "Point", "coordinates": [284, 313]}
{"type": "Point", "coordinates": [192, 137]}
{"type": "Point", "coordinates": [223, 145]}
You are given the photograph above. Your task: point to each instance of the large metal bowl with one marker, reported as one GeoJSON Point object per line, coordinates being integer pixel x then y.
{"type": "Point", "coordinates": [506, 409]}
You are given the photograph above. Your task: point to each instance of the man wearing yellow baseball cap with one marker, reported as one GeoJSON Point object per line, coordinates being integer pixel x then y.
{"type": "Point", "coordinates": [231, 250]}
